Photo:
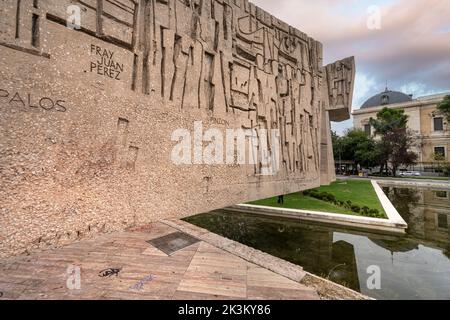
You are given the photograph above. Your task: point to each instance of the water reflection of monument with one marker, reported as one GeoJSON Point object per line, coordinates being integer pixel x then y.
{"type": "Point", "coordinates": [317, 252]}
{"type": "Point", "coordinates": [427, 213]}
{"type": "Point", "coordinates": [344, 253]}
{"type": "Point", "coordinates": [308, 245]}
{"type": "Point", "coordinates": [315, 247]}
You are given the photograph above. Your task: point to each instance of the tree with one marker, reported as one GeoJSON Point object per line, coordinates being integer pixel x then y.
{"type": "Point", "coordinates": [337, 146]}
{"type": "Point", "coordinates": [389, 120]}
{"type": "Point", "coordinates": [394, 148]}
{"type": "Point", "coordinates": [366, 153]}
{"type": "Point", "coordinates": [444, 107]}
{"type": "Point", "coordinates": [440, 159]}
{"type": "Point", "coordinates": [401, 154]}
{"type": "Point", "coordinates": [446, 169]}
{"type": "Point", "coordinates": [384, 149]}
{"type": "Point", "coordinates": [356, 145]}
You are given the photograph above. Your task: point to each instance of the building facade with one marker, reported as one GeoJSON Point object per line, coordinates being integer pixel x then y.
{"type": "Point", "coordinates": [430, 128]}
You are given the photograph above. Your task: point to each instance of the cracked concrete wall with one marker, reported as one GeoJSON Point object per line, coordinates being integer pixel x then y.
{"type": "Point", "coordinates": [87, 114]}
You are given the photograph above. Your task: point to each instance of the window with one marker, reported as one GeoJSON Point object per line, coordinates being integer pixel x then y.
{"type": "Point", "coordinates": [438, 124]}
{"type": "Point", "coordinates": [384, 99]}
{"type": "Point", "coordinates": [442, 221]}
{"type": "Point", "coordinates": [441, 194]}
{"type": "Point", "coordinates": [439, 152]}
{"type": "Point", "coordinates": [368, 129]}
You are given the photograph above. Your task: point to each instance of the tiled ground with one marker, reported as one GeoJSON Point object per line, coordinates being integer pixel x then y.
{"type": "Point", "coordinates": [199, 271]}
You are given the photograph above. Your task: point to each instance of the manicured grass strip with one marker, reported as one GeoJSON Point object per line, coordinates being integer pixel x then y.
{"type": "Point", "coordinates": [359, 192]}
{"type": "Point", "coordinates": [299, 201]}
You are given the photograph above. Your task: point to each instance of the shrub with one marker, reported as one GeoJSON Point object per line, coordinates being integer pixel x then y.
{"type": "Point", "coordinates": [348, 204]}
{"type": "Point", "coordinates": [313, 193]}
{"type": "Point", "coordinates": [330, 197]}
{"type": "Point", "coordinates": [317, 195]}
{"type": "Point", "coordinates": [375, 213]}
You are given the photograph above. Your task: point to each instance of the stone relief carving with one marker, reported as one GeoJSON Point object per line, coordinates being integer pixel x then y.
{"type": "Point", "coordinates": [340, 77]}
{"type": "Point", "coordinates": [223, 60]}
{"type": "Point", "coordinates": [222, 56]}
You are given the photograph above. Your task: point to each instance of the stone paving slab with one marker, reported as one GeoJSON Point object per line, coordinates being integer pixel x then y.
{"type": "Point", "coordinates": [201, 271]}
{"type": "Point", "coordinates": [277, 265]}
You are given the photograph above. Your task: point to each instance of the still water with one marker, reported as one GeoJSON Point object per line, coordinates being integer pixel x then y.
{"type": "Point", "coordinates": [413, 266]}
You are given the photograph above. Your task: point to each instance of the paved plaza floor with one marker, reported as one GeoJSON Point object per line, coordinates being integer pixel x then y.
{"type": "Point", "coordinates": [157, 262]}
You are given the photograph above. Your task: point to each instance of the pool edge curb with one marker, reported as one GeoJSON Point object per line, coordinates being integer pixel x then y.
{"type": "Point", "coordinates": [394, 222]}
{"type": "Point", "coordinates": [388, 206]}
{"type": "Point", "coordinates": [251, 255]}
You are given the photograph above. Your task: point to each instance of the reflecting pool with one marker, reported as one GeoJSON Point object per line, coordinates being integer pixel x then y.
{"type": "Point", "coordinates": [412, 266]}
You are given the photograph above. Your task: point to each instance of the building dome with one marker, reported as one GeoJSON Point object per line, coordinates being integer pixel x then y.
{"type": "Point", "coordinates": [387, 97]}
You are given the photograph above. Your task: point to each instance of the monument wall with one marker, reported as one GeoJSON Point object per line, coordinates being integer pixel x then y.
{"type": "Point", "coordinates": [89, 108]}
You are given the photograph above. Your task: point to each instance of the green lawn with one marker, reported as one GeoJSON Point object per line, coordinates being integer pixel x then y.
{"type": "Point", "coordinates": [359, 192]}
{"type": "Point", "coordinates": [299, 201]}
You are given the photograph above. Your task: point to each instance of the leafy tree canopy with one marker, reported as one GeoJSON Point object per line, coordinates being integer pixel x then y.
{"type": "Point", "coordinates": [444, 107]}
{"type": "Point", "coordinates": [355, 145]}
{"type": "Point", "coordinates": [396, 142]}
{"type": "Point", "coordinates": [389, 120]}
{"type": "Point", "coordinates": [393, 149]}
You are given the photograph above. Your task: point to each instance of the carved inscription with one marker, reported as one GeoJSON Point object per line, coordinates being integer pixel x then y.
{"type": "Point", "coordinates": [105, 63]}
{"type": "Point", "coordinates": [28, 100]}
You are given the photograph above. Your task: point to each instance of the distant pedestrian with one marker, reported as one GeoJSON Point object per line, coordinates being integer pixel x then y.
{"type": "Point", "coordinates": [280, 199]}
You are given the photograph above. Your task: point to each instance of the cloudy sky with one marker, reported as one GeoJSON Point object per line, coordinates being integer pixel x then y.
{"type": "Point", "coordinates": [405, 43]}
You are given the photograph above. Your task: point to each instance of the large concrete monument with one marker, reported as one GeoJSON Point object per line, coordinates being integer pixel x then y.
{"type": "Point", "coordinates": [98, 97]}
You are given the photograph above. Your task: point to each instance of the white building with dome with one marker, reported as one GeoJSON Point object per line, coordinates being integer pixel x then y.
{"type": "Point", "coordinates": [431, 128]}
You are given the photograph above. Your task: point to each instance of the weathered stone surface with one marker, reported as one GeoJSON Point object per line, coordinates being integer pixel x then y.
{"type": "Point", "coordinates": [87, 115]}
{"type": "Point", "coordinates": [277, 265]}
